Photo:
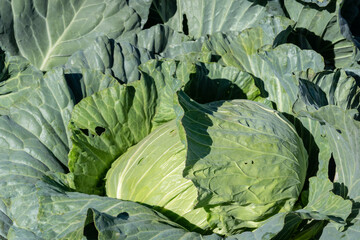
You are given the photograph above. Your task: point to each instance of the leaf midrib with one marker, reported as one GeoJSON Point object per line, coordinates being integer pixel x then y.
{"type": "Point", "coordinates": [48, 54]}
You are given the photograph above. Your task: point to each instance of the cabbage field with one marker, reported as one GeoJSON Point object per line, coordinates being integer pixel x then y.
{"type": "Point", "coordinates": [180, 119]}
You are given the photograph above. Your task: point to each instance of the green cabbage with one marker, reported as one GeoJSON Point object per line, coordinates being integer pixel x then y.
{"type": "Point", "coordinates": [254, 168]}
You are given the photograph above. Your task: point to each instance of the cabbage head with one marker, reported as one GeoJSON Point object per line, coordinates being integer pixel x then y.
{"type": "Point", "coordinates": [225, 166]}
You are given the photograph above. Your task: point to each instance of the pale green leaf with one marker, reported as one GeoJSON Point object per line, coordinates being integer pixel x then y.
{"type": "Point", "coordinates": [151, 173]}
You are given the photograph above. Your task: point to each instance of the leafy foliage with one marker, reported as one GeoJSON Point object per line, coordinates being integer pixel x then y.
{"type": "Point", "coordinates": [154, 119]}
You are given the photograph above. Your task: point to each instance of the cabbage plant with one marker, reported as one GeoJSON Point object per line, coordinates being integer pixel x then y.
{"type": "Point", "coordinates": [191, 119]}
{"type": "Point", "coordinates": [260, 174]}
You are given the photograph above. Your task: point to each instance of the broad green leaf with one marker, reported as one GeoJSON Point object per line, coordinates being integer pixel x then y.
{"type": "Point", "coordinates": [110, 217]}
{"type": "Point", "coordinates": [269, 230]}
{"type": "Point", "coordinates": [191, 51]}
{"type": "Point", "coordinates": [329, 88]}
{"type": "Point", "coordinates": [275, 68]}
{"type": "Point", "coordinates": [322, 30]}
{"type": "Point", "coordinates": [321, 89]}
{"type": "Point", "coordinates": [88, 82]}
{"type": "Point", "coordinates": [156, 39]}
{"type": "Point", "coordinates": [16, 233]}
{"type": "Point", "coordinates": [270, 30]}
{"type": "Point", "coordinates": [43, 104]}
{"type": "Point", "coordinates": [235, 46]}
{"type": "Point", "coordinates": [331, 232]}
{"type": "Point", "coordinates": [119, 60]}
{"type": "Point", "coordinates": [48, 32]}
{"type": "Point", "coordinates": [17, 79]}
{"type": "Point", "coordinates": [123, 225]}
{"type": "Point", "coordinates": [24, 159]}
{"type": "Point", "coordinates": [169, 76]}
{"type": "Point", "coordinates": [214, 82]}
{"type": "Point", "coordinates": [142, 8]}
{"type": "Point", "coordinates": [44, 110]}
{"type": "Point", "coordinates": [317, 145]}
{"type": "Point", "coordinates": [198, 18]}
{"type": "Point", "coordinates": [323, 201]}
{"type": "Point", "coordinates": [105, 124]}
{"type": "Point", "coordinates": [343, 133]}
{"type": "Point", "coordinates": [250, 51]}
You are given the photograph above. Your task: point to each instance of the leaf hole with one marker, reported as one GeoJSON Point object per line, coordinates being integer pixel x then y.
{"type": "Point", "coordinates": [332, 169]}
{"type": "Point", "coordinates": [185, 26]}
{"type": "Point", "coordinates": [252, 162]}
{"type": "Point", "coordinates": [85, 131]}
{"type": "Point", "coordinates": [123, 215]}
{"type": "Point", "coordinates": [99, 130]}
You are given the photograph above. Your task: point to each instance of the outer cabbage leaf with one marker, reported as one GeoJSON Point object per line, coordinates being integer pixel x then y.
{"type": "Point", "coordinates": [88, 82]}
{"type": "Point", "coordinates": [324, 205]}
{"type": "Point", "coordinates": [270, 30]}
{"type": "Point", "coordinates": [119, 60]}
{"type": "Point", "coordinates": [272, 65]}
{"type": "Point", "coordinates": [343, 133]}
{"type": "Point", "coordinates": [43, 104]}
{"type": "Point", "coordinates": [321, 28]}
{"type": "Point", "coordinates": [198, 18]}
{"type": "Point", "coordinates": [16, 233]}
{"type": "Point", "coordinates": [213, 82]}
{"type": "Point", "coordinates": [192, 51]}
{"type": "Point", "coordinates": [70, 215]}
{"type": "Point", "coordinates": [24, 160]}
{"type": "Point", "coordinates": [43, 107]}
{"type": "Point", "coordinates": [331, 232]}
{"type": "Point", "coordinates": [142, 8]}
{"type": "Point", "coordinates": [48, 32]}
{"type": "Point", "coordinates": [156, 39]}
{"type": "Point", "coordinates": [17, 78]}
{"type": "Point", "coordinates": [317, 90]}
{"type": "Point", "coordinates": [323, 201]}
{"type": "Point", "coordinates": [110, 227]}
